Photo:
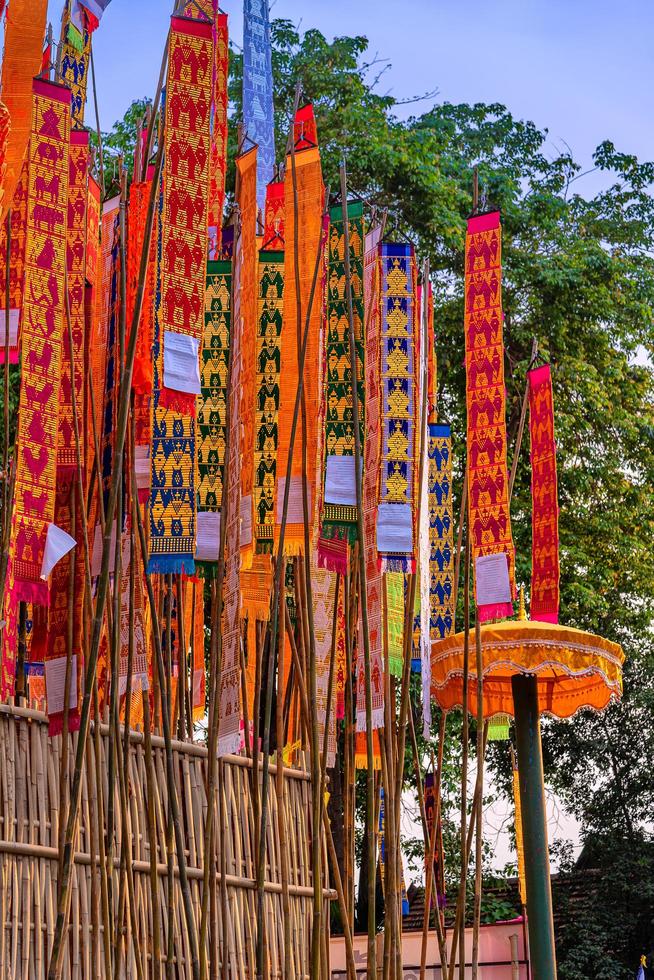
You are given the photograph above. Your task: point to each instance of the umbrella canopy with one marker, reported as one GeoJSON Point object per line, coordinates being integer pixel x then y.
{"type": "Point", "coordinates": [575, 669]}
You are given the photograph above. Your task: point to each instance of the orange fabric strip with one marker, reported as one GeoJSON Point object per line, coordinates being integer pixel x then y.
{"type": "Point", "coordinates": [24, 36]}
{"type": "Point", "coordinates": [309, 234]}
{"type": "Point", "coordinates": [246, 196]}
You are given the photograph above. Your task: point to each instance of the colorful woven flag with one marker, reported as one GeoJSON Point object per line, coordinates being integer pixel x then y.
{"type": "Point", "coordinates": [438, 880]}
{"type": "Point", "coordinates": [273, 227]}
{"type": "Point", "coordinates": [339, 512]}
{"type": "Point", "coordinates": [268, 364]}
{"type": "Point", "coordinates": [309, 231]}
{"type": "Point", "coordinates": [74, 58]}
{"type": "Point", "coordinates": [42, 335]}
{"type": "Point", "coordinates": [488, 500]}
{"type": "Point", "coordinates": [544, 604]}
{"type": "Point", "coordinates": [395, 589]}
{"type": "Point", "coordinates": [246, 196]}
{"type": "Point", "coordinates": [209, 10]}
{"type": "Point", "coordinates": [441, 534]}
{"type": "Point", "coordinates": [23, 48]}
{"type": "Point", "coordinates": [16, 268]}
{"type": "Point", "coordinates": [212, 412]}
{"type": "Point", "coordinates": [396, 514]}
{"type": "Point", "coordinates": [179, 317]}
{"type": "Point", "coordinates": [258, 117]}
{"type": "Point", "coordinates": [142, 378]}
{"type": "Point", "coordinates": [230, 728]}
{"type": "Point", "coordinates": [76, 260]}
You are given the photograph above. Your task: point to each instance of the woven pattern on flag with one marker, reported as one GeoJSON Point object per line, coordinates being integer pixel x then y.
{"type": "Point", "coordinates": [273, 226]}
{"type": "Point", "coordinates": [396, 519]}
{"type": "Point", "coordinates": [42, 334]}
{"type": "Point", "coordinates": [63, 637]}
{"type": "Point", "coordinates": [361, 751]}
{"type": "Point", "coordinates": [341, 658]}
{"type": "Point", "coordinates": [199, 692]}
{"type": "Point", "coordinates": [309, 232]}
{"type": "Point", "coordinates": [93, 327]}
{"type": "Point", "coordinates": [441, 534]}
{"type": "Point", "coordinates": [16, 266]}
{"type": "Point", "coordinates": [258, 115]}
{"type": "Point", "coordinates": [212, 413]}
{"type": "Point", "coordinates": [246, 188]}
{"type": "Point", "coordinates": [268, 363]}
{"type": "Point", "coordinates": [230, 729]}
{"type": "Point", "coordinates": [438, 879]}
{"type": "Point", "coordinates": [142, 378]}
{"type": "Point", "coordinates": [23, 51]}
{"type": "Point", "coordinates": [488, 499]}
{"type": "Point", "coordinates": [111, 366]}
{"type": "Point", "coordinates": [76, 258]}
{"type": "Point", "coordinates": [339, 513]}
{"type": "Point", "coordinates": [74, 65]}
{"type": "Point", "coordinates": [182, 260]}
{"type": "Point", "coordinates": [372, 449]}
{"type": "Point", "coordinates": [395, 621]}
{"type": "Point", "coordinates": [218, 152]}
{"type": "Point", "coordinates": [544, 604]}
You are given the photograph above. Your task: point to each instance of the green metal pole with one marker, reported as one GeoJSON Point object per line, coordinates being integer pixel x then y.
{"type": "Point", "coordinates": [534, 828]}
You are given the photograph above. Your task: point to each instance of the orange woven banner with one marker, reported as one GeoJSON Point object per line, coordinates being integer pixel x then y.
{"type": "Point", "coordinates": [23, 50]}
{"type": "Point", "coordinates": [36, 441]}
{"type": "Point", "coordinates": [179, 311]}
{"type": "Point", "coordinates": [310, 234]}
{"type": "Point", "coordinates": [246, 196]}
{"type": "Point", "coordinates": [488, 498]}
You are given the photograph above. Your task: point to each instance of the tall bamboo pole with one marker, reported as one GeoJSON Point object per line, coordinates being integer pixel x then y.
{"type": "Point", "coordinates": [215, 663]}
{"type": "Point", "coordinates": [363, 598]}
{"type": "Point", "coordinates": [57, 952]}
{"type": "Point", "coordinates": [275, 610]}
{"type": "Point", "coordinates": [5, 448]}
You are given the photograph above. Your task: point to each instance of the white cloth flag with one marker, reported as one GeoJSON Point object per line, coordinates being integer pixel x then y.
{"type": "Point", "coordinates": [57, 544]}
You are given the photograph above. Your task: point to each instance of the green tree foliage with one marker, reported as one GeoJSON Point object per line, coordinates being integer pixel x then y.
{"type": "Point", "coordinates": [579, 277]}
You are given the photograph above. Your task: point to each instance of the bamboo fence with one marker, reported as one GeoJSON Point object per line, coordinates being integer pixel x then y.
{"type": "Point", "coordinates": [30, 817]}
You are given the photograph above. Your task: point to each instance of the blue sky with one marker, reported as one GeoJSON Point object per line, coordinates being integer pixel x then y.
{"type": "Point", "coordinates": [582, 69]}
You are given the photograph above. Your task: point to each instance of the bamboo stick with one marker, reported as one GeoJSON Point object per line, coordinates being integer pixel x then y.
{"type": "Point", "coordinates": [5, 448]}
{"type": "Point", "coordinates": [363, 598]}
{"type": "Point", "coordinates": [56, 956]}
{"type": "Point", "coordinates": [276, 597]}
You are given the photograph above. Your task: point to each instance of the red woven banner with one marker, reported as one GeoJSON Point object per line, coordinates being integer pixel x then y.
{"type": "Point", "coordinates": [273, 234]}
{"type": "Point", "coordinates": [544, 604]}
{"type": "Point", "coordinates": [41, 342]}
{"type": "Point", "coordinates": [488, 499]}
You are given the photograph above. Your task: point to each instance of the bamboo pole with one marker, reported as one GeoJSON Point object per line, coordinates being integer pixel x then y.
{"type": "Point", "coordinates": [5, 448]}
{"type": "Point", "coordinates": [214, 682]}
{"type": "Point", "coordinates": [57, 952]}
{"type": "Point", "coordinates": [363, 598]}
{"type": "Point", "coordinates": [281, 814]}
{"type": "Point", "coordinates": [430, 867]}
{"type": "Point", "coordinates": [275, 607]}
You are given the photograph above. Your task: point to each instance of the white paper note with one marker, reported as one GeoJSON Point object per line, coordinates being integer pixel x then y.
{"type": "Point", "coordinates": [57, 544]}
{"type": "Point", "coordinates": [96, 557]}
{"type": "Point", "coordinates": [142, 467]}
{"type": "Point", "coordinates": [295, 513]}
{"type": "Point", "coordinates": [55, 683]}
{"type": "Point", "coordinates": [181, 362]}
{"type": "Point", "coordinates": [207, 544]}
{"type": "Point", "coordinates": [246, 519]}
{"type": "Point", "coordinates": [340, 486]}
{"type": "Point", "coordinates": [492, 579]}
{"type": "Point", "coordinates": [394, 529]}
